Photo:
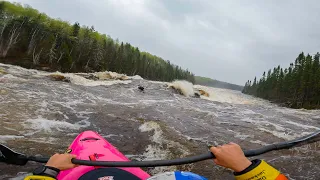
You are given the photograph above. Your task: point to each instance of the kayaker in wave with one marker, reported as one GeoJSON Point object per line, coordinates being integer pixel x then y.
{"type": "Point", "coordinates": [229, 156]}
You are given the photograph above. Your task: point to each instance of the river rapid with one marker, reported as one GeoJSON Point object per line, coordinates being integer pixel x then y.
{"type": "Point", "coordinates": [39, 116]}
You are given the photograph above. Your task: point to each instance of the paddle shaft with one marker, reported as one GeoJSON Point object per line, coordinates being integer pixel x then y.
{"type": "Point", "coordinates": [248, 153]}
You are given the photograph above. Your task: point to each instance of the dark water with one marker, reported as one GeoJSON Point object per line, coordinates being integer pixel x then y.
{"type": "Point", "coordinates": [41, 116]}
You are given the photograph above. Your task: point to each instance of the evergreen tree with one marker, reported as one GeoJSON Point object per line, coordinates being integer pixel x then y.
{"type": "Point", "coordinates": [39, 40]}
{"type": "Point", "coordinates": [296, 86]}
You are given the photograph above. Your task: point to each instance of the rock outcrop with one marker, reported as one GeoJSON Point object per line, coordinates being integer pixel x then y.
{"type": "Point", "coordinates": [59, 77]}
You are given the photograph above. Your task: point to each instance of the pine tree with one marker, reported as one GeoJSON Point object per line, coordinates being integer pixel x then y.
{"type": "Point", "coordinates": [42, 41]}
{"type": "Point", "coordinates": [296, 86]}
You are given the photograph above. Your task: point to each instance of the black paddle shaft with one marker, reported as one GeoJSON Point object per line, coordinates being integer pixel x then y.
{"type": "Point", "coordinates": [22, 159]}
{"type": "Point", "coordinates": [202, 157]}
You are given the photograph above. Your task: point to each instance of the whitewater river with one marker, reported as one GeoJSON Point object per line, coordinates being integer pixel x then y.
{"type": "Point", "coordinates": [39, 116]}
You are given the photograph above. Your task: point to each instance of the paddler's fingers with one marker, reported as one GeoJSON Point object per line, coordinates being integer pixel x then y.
{"type": "Point", "coordinates": [73, 156]}
{"type": "Point", "coordinates": [232, 143]}
{"type": "Point", "coordinates": [215, 150]}
{"type": "Point", "coordinates": [217, 162]}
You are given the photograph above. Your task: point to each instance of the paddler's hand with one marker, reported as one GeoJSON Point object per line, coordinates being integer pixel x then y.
{"type": "Point", "coordinates": [61, 161]}
{"type": "Point", "coordinates": [230, 156]}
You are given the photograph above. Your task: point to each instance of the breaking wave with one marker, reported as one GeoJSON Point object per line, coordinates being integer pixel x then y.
{"type": "Point", "coordinates": [183, 87]}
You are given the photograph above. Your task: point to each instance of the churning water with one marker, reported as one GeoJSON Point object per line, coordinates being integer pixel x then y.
{"type": "Point", "coordinates": [39, 116]}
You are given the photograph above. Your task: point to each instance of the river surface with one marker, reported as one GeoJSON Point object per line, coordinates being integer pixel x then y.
{"type": "Point", "coordinates": [39, 116]}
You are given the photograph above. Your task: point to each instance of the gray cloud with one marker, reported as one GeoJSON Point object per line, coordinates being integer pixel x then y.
{"type": "Point", "coordinates": [226, 40]}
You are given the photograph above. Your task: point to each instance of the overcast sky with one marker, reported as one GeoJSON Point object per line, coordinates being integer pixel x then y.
{"type": "Point", "coordinates": [228, 40]}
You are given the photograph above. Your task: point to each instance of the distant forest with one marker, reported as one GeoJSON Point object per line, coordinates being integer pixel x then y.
{"type": "Point", "coordinates": [34, 40]}
{"type": "Point", "coordinates": [297, 86]}
{"type": "Point", "coordinates": [215, 83]}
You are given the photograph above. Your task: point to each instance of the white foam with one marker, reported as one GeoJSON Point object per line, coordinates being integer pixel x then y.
{"type": "Point", "coordinates": [152, 126]}
{"type": "Point", "coordinates": [48, 140]}
{"type": "Point", "coordinates": [42, 124]}
{"type": "Point", "coordinates": [136, 77]}
{"type": "Point", "coordinates": [229, 96]}
{"type": "Point", "coordinates": [206, 89]}
{"type": "Point", "coordinates": [69, 104]}
{"type": "Point", "coordinates": [242, 136]}
{"type": "Point", "coordinates": [151, 101]}
{"type": "Point", "coordinates": [263, 123]}
{"type": "Point", "coordinates": [110, 75]}
{"type": "Point", "coordinates": [259, 142]}
{"type": "Point", "coordinates": [210, 113]}
{"type": "Point", "coordinates": [284, 135]}
{"type": "Point", "coordinates": [294, 111]}
{"type": "Point", "coordinates": [277, 126]}
{"type": "Point", "coordinates": [5, 65]}
{"type": "Point", "coordinates": [248, 112]}
{"type": "Point", "coordinates": [155, 151]}
{"type": "Point", "coordinates": [278, 134]}
{"type": "Point", "coordinates": [110, 136]}
{"type": "Point", "coordinates": [79, 80]}
{"type": "Point", "coordinates": [17, 70]}
{"type": "Point", "coordinates": [248, 120]}
{"type": "Point", "coordinates": [185, 87]}
{"type": "Point", "coordinates": [12, 78]}
{"type": "Point", "coordinates": [4, 138]}
{"type": "Point", "coordinates": [303, 126]}
{"type": "Point", "coordinates": [317, 116]}
{"type": "Point", "coordinates": [7, 128]}
{"type": "Point", "coordinates": [158, 82]}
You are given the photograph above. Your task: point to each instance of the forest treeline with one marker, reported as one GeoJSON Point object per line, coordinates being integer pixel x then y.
{"type": "Point", "coordinates": [33, 40]}
{"type": "Point", "coordinates": [297, 86]}
{"type": "Point", "coordinates": [215, 83]}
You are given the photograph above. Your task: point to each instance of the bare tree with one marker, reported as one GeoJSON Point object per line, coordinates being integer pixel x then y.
{"type": "Point", "coordinates": [32, 40]}
{"type": "Point", "coordinates": [61, 54]}
{"type": "Point", "coordinates": [13, 38]}
{"type": "Point", "coordinates": [89, 43]}
{"type": "Point", "coordinates": [52, 53]}
{"type": "Point", "coordinates": [36, 56]}
{"type": "Point", "coordinates": [3, 27]}
{"type": "Point", "coordinates": [3, 24]}
{"type": "Point", "coordinates": [98, 56]}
